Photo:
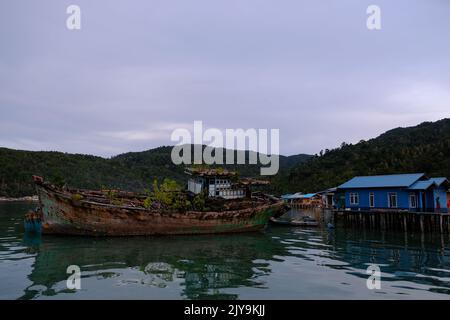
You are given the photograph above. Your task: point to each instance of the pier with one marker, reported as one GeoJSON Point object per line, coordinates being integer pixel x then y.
{"type": "Point", "coordinates": [425, 222]}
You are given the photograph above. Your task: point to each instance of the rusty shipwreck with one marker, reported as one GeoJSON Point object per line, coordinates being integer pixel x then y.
{"type": "Point", "coordinates": [86, 212]}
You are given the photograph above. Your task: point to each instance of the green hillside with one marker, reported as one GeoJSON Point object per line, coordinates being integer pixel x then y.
{"type": "Point", "coordinates": [129, 171]}
{"type": "Point", "coordinates": [423, 148]}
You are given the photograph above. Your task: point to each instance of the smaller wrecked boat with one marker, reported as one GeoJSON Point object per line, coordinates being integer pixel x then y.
{"type": "Point", "coordinates": [212, 203]}
{"type": "Point", "coordinates": [305, 221]}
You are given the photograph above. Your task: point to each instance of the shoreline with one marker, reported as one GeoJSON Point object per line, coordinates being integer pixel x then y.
{"type": "Point", "coordinates": [26, 198]}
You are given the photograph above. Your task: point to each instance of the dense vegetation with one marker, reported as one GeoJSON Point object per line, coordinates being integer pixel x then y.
{"type": "Point", "coordinates": [17, 167]}
{"type": "Point", "coordinates": [133, 171]}
{"type": "Point", "coordinates": [423, 148]}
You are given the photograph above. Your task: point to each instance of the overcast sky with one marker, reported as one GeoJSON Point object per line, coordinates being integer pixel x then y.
{"type": "Point", "coordinates": [139, 69]}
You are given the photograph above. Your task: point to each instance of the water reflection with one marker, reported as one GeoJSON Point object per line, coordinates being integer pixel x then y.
{"type": "Point", "coordinates": [206, 263]}
{"type": "Point", "coordinates": [281, 262]}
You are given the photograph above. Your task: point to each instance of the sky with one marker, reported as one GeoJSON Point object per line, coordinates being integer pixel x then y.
{"type": "Point", "coordinates": [139, 69]}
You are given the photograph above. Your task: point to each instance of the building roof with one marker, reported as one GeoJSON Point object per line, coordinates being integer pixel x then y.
{"type": "Point", "coordinates": [210, 172]}
{"type": "Point", "coordinates": [383, 181]}
{"type": "Point", "coordinates": [298, 195]}
{"type": "Point", "coordinates": [330, 190]}
{"type": "Point", "coordinates": [308, 195]}
{"type": "Point", "coordinates": [291, 196]}
{"type": "Point", "coordinates": [425, 184]}
{"type": "Point", "coordinates": [253, 182]}
{"type": "Point", "coordinates": [440, 181]}
{"type": "Point", "coordinates": [421, 185]}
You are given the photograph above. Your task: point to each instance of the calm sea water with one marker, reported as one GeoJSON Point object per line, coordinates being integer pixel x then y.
{"type": "Point", "coordinates": [278, 263]}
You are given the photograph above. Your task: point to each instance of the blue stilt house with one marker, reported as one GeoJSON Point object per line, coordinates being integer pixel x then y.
{"type": "Point", "coordinates": [413, 192]}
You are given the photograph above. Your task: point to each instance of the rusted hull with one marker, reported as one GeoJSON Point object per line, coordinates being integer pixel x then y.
{"type": "Point", "coordinates": [62, 215]}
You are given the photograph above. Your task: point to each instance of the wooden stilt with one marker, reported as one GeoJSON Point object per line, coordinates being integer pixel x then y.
{"type": "Point", "coordinates": [424, 222]}
{"type": "Point", "coordinates": [405, 227]}
{"type": "Point", "coordinates": [448, 224]}
{"type": "Point", "coordinates": [422, 241]}
{"type": "Point", "coordinates": [406, 239]}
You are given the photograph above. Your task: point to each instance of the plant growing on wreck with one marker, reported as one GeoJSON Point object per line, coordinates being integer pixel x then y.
{"type": "Point", "coordinates": [169, 194]}
{"type": "Point", "coordinates": [199, 201]}
{"type": "Point", "coordinates": [113, 198]}
{"type": "Point", "coordinates": [147, 203]}
{"type": "Point", "coordinates": [236, 177]}
{"type": "Point", "coordinates": [166, 192]}
{"type": "Point", "coordinates": [117, 202]}
{"type": "Point", "coordinates": [77, 197]}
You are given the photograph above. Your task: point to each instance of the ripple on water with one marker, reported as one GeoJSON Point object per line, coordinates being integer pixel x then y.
{"type": "Point", "coordinates": [282, 262]}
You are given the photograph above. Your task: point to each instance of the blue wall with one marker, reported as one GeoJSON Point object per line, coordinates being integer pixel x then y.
{"type": "Point", "coordinates": [381, 199]}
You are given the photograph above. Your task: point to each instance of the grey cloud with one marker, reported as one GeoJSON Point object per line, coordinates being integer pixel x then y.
{"type": "Point", "coordinates": [137, 68]}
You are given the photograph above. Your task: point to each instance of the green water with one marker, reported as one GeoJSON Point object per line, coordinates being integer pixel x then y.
{"type": "Point", "coordinates": [278, 263]}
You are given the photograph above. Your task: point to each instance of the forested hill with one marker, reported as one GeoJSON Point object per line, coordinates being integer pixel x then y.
{"type": "Point", "coordinates": [129, 171]}
{"type": "Point", "coordinates": [423, 148]}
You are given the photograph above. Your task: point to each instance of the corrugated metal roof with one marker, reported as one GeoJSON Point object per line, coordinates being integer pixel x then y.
{"type": "Point", "coordinates": [393, 180]}
{"type": "Point", "coordinates": [308, 195]}
{"type": "Point", "coordinates": [290, 196]}
{"type": "Point", "coordinates": [297, 195]}
{"type": "Point", "coordinates": [330, 190]}
{"type": "Point", "coordinates": [439, 181]}
{"type": "Point", "coordinates": [421, 185]}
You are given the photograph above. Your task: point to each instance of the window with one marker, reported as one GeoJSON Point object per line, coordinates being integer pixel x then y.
{"type": "Point", "coordinates": [392, 199]}
{"type": "Point", "coordinates": [412, 201]}
{"type": "Point", "coordinates": [354, 198]}
{"type": "Point", "coordinates": [371, 200]}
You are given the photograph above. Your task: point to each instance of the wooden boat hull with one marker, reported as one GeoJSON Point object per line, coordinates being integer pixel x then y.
{"type": "Point", "coordinates": [63, 215]}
